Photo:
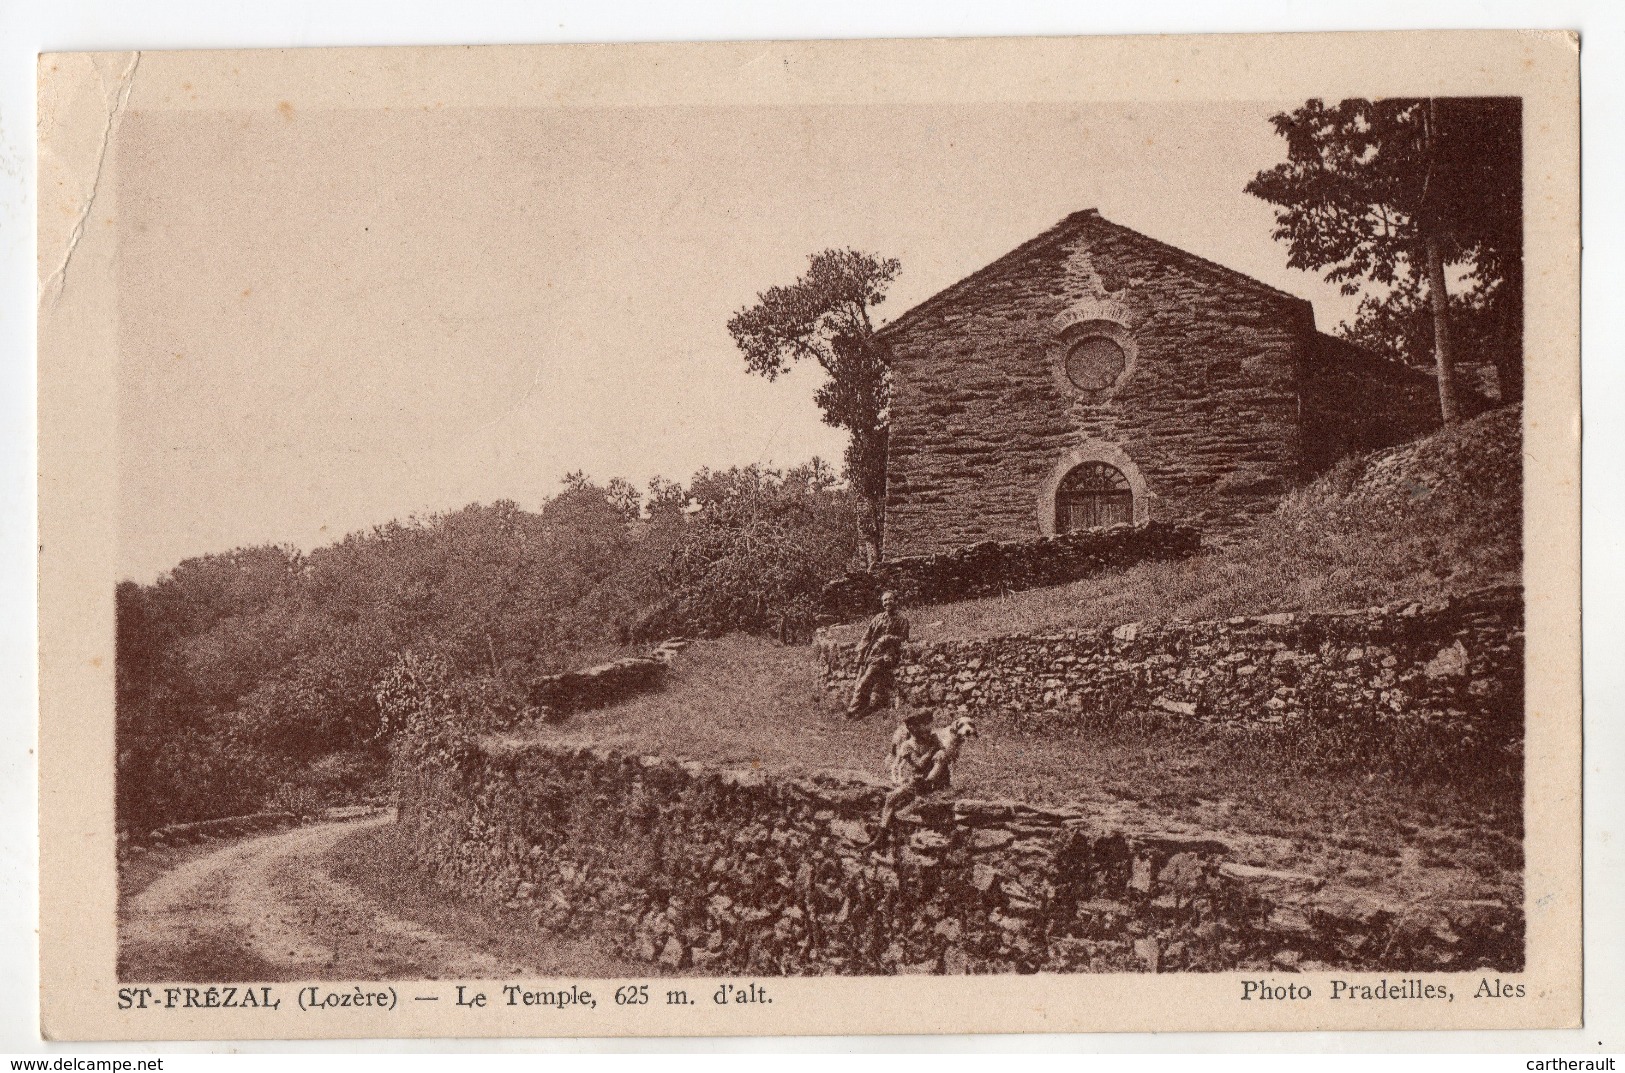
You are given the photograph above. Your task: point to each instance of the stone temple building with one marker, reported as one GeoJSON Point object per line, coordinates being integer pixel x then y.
{"type": "Point", "coordinates": [1095, 375]}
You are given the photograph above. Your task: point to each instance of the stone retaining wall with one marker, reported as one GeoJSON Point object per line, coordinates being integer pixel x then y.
{"type": "Point", "coordinates": [224, 827]}
{"type": "Point", "coordinates": [606, 683]}
{"type": "Point", "coordinates": [999, 566]}
{"type": "Point", "coordinates": [1456, 666]}
{"type": "Point", "coordinates": [696, 868]}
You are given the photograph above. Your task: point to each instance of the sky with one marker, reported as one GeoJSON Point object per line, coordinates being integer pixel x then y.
{"type": "Point", "coordinates": [332, 319]}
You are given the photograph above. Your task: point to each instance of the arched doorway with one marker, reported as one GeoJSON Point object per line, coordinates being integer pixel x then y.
{"type": "Point", "coordinates": [1091, 495]}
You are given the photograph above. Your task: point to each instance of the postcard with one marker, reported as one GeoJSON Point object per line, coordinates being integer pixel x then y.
{"type": "Point", "coordinates": [1005, 535]}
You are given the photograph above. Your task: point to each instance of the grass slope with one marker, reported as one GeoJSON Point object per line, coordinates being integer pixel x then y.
{"type": "Point", "coordinates": [745, 702]}
{"type": "Point", "coordinates": [1439, 516]}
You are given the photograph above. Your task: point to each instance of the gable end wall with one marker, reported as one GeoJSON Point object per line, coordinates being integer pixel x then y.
{"type": "Point", "coordinates": [1207, 412]}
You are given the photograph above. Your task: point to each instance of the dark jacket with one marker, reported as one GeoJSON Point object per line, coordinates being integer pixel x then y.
{"type": "Point", "coordinates": [883, 640]}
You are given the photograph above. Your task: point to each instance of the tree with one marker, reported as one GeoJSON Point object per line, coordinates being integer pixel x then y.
{"type": "Point", "coordinates": [824, 316]}
{"type": "Point", "coordinates": [1394, 193]}
{"type": "Point", "coordinates": [668, 500]}
{"type": "Point", "coordinates": [1400, 323]}
{"type": "Point", "coordinates": [754, 553]}
{"type": "Point", "coordinates": [581, 496]}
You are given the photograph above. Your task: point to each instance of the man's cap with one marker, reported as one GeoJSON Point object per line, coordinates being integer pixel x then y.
{"type": "Point", "coordinates": [887, 595]}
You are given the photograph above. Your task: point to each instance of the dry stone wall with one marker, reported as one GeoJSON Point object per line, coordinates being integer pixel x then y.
{"type": "Point", "coordinates": [695, 868]}
{"type": "Point", "coordinates": [605, 683]}
{"type": "Point", "coordinates": [180, 834]}
{"type": "Point", "coordinates": [999, 566]}
{"type": "Point", "coordinates": [1455, 665]}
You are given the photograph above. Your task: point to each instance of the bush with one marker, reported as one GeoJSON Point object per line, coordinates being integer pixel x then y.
{"type": "Point", "coordinates": [297, 798]}
{"type": "Point", "coordinates": [753, 554]}
{"type": "Point", "coordinates": [251, 674]}
{"type": "Point", "coordinates": [185, 778]}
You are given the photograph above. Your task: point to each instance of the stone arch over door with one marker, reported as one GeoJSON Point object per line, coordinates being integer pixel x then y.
{"type": "Point", "coordinates": [1110, 456]}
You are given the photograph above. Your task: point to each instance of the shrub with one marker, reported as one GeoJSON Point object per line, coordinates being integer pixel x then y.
{"type": "Point", "coordinates": [241, 673]}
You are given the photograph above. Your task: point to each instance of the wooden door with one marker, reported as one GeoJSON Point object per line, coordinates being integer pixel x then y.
{"type": "Point", "coordinates": [1092, 496]}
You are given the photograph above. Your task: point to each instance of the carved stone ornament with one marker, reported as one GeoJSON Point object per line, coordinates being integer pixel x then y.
{"type": "Point", "coordinates": [1091, 356]}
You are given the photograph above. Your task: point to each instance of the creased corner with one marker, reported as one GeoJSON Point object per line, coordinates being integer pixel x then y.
{"type": "Point", "coordinates": [53, 285]}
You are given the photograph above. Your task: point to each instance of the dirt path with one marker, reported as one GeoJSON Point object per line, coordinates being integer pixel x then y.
{"type": "Point", "coordinates": [269, 908]}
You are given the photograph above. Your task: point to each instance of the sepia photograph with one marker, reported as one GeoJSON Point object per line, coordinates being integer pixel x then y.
{"type": "Point", "coordinates": [693, 544]}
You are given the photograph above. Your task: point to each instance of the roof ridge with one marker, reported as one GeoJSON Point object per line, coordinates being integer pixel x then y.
{"type": "Point", "coordinates": [1205, 262]}
{"type": "Point", "coordinates": [1067, 224]}
{"type": "Point", "coordinates": [1064, 225]}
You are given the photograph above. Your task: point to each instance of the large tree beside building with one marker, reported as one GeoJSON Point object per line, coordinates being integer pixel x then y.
{"type": "Point", "coordinates": [824, 316]}
{"type": "Point", "coordinates": [1394, 198]}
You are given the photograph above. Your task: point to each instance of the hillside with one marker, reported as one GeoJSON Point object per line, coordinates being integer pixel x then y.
{"type": "Point", "coordinates": [1328, 799]}
{"type": "Point", "coordinates": [1436, 517]}
{"type": "Point", "coordinates": [745, 702]}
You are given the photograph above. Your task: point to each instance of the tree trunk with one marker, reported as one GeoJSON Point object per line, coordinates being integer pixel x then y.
{"type": "Point", "coordinates": [866, 470]}
{"type": "Point", "coordinates": [1444, 358]}
{"type": "Point", "coordinates": [873, 512]}
{"type": "Point", "coordinates": [1509, 372]}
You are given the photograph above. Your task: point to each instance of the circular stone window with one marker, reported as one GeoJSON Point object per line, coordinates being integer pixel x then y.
{"type": "Point", "coordinates": [1094, 363]}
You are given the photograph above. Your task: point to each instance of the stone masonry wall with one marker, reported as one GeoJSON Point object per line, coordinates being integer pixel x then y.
{"type": "Point", "coordinates": [1208, 410]}
{"type": "Point", "coordinates": [695, 868]}
{"type": "Point", "coordinates": [605, 683]}
{"type": "Point", "coordinates": [1455, 665]}
{"type": "Point", "coordinates": [999, 566]}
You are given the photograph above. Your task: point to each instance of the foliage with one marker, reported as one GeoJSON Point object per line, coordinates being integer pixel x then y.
{"type": "Point", "coordinates": [754, 554]}
{"type": "Point", "coordinates": [1400, 324]}
{"type": "Point", "coordinates": [265, 674]}
{"type": "Point", "coordinates": [1382, 194]}
{"type": "Point", "coordinates": [824, 316]}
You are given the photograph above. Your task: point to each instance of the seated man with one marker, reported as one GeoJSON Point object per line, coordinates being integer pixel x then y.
{"type": "Point", "coordinates": [920, 763]}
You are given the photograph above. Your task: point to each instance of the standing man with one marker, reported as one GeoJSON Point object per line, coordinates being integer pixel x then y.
{"type": "Point", "coordinates": [878, 656]}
